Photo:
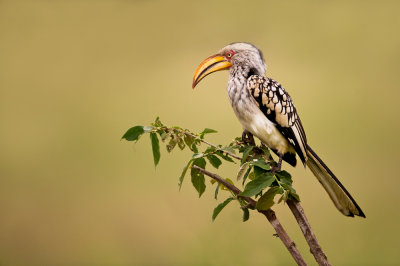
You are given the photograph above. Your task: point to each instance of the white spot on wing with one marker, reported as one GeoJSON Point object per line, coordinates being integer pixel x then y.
{"type": "Point", "coordinates": [278, 108]}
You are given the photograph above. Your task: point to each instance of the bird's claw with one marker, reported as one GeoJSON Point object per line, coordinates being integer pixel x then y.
{"type": "Point", "coordinates": [248, 138]}
{"type": "Point", "coordinates": [275, 169]}
{"type": "Point", "coordinates": [278, 166]}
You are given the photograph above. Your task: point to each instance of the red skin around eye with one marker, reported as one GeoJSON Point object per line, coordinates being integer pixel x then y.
{"type": "Point", "coordinates": [231, 52]}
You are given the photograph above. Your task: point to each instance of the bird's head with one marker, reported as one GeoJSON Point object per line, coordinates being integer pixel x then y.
{"type": "Point", "coordinates": [244, 55]}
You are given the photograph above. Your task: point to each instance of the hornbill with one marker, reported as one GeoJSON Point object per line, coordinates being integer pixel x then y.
{"type": "Point", "coordinates": [265, 110]}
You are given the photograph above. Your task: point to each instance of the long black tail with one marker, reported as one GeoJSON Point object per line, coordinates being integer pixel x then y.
{"type": "Point", "coordinates": [337, 192]}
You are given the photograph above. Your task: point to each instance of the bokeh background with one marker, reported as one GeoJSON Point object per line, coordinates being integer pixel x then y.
{"type": "Point", "coordinates": [75, 75]}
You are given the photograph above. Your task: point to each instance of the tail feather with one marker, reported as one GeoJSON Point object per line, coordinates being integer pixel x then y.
{"type": "Point", "coordinates": [337, 192]}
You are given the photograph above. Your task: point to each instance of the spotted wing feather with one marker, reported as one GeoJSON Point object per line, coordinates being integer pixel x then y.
{"type": "Point", "coordinates": [278, 107]}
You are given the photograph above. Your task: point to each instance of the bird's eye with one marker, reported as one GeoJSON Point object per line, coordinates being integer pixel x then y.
{"type": "Point", "coordinates": [229, 54]}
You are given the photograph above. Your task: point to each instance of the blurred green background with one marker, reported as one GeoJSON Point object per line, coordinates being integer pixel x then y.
{"type": "Point", "coordinates": [75, 75]}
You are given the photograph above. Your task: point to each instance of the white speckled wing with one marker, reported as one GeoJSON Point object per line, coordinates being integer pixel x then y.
{"type": "Point", "coordinates": [277, 106]}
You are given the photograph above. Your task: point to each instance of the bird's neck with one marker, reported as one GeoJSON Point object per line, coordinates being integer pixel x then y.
{"type": "Point", "coordinates": [237, 84]}
{"type": "Point", "coordinates": [244, 71]}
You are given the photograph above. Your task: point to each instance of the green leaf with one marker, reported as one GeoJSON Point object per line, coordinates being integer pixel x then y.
{"type": "Point", "coordinates": [267, 199]}
{"type": "Point", "coordinates": [189, 164]}
{"type": "Point", "coordinates": [157, 122]}
{"type": "Point", "coordinates": [258, 171]}
{"type": "Point", "coordinates": [210, 150]}
{"type": "Point", "coordinates": [246, 214]}
{"type": "Point", "coordinates": [224, 156]}
{"type": "Point", "coordinates": [292, 191]}
{"type": "Point", "coordinates": [172, 143]}
{"type": "Point", "coordinates": [295, 196]}
{"type": "Point", "coordinates": [252, 176]}
{"type": "Point", "coordinates": [188, 139]}
{"type": "Point", "coordinates": [181, 143]}
{"type": "Point", "coordinates": [243, 170]}
{"type": "Point", "coordinates": [284, 177]}
{"type": "Point", "coordinates": [199, 161]}
{"type": "Point", "coordinates": [246, 153]}
{"type": "Point", "coordinates": [262, 164]}
{"type": "Point", "coordinates": [207, 131]}
{"type": "Point", "coordinates": [214, 160]}
{"type": "Point", "coordinates": [216, 191]}
{"type": "Point", "coordinates": [238, 139]}
{"type": "Point", "coordinates": [220, 206]}
{"type": "Point", "coordinates": [155, 147]}
{"type": "Point", "coordinates": [247, 174]}
{"type": "Point", "coordinates": [284, 197]}
{"type": "Point", "coordinates": [194, 148]}
{"type": "Point", "coordinates": [257, 185]}
{"type": "Point", "coordinates": [198, 179]}
{"type": "Point", "coordinates": [133, 133]}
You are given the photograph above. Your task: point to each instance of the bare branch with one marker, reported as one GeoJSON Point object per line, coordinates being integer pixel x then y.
{"type": "Point", "coordinates": [309, 235]}
{"type": "Point", "coordinates": [269, 214]}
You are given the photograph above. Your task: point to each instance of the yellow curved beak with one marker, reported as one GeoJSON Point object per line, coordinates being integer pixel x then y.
{"type": "Point", "coordinates": [212, 64]}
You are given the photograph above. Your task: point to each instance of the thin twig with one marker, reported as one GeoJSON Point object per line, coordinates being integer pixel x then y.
{"type": "Point", "coordinates": [269, 214]}
{"type": "Point", "coordinates": [212, 145]}
{"type": "Point", "coordinates": [309, 235]}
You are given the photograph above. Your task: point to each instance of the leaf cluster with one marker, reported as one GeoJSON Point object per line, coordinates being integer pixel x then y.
{"type": "Point", "coordinates": [171, 136]}
{"type": "Point", "coordinates": [256, 172]}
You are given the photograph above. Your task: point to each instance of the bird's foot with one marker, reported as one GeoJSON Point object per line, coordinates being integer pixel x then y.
{"type": "Point", "coordinates": [248, 138]}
